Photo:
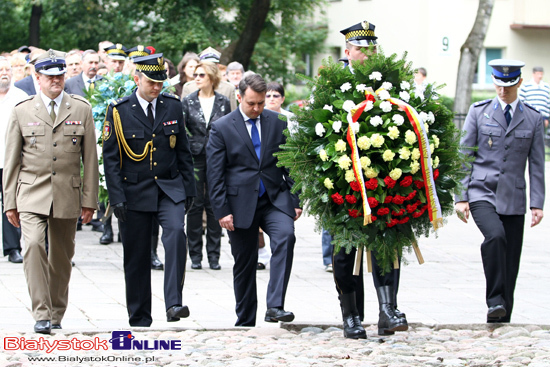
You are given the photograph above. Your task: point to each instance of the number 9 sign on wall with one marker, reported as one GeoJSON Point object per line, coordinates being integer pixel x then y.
{"type": "Point", "coordinates": [445, 46]}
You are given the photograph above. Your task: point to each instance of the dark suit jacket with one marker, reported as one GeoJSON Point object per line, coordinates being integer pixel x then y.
{"type": "Point", "coordinates": [26, 85]}
{"type": "Point", "coordinates": [234, 171]}
{"type": "Point", "coordinates": [75, 85]}
{"type": "Point", "coordinates": [195, 122]}
{"type": "Point", "coordinates": [170, 170]}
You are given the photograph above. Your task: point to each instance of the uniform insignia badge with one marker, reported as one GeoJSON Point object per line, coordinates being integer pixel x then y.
{"type": "Point", "coordinates": [74, 141]}
{"type": "Point", "coordinates": [490, 142]}
{"type": "Point", "coordinates": [106, 131]}
{"type": "Point", "coordinates": [486, 115]}
{"type": "Point", "coordinates": [168, 123]}
{"type": "Point", "coordinates": [33, 142]}
{"type": "Point", "coordinates": [73, 122]}
{"type": "Point", "coordinates": [172, 141]}
{"type": "Point", "coordinates": [33, 123]}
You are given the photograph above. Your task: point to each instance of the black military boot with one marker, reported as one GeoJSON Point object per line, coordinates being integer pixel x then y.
{"type": "Point", "coordinates": [156, 264]}
{"type": "Point", "coordinates": [388, 321]}
{"type": "Point", "coordinates": [352, 323]}
{"type": "Point", "coordinates": [107, 237]}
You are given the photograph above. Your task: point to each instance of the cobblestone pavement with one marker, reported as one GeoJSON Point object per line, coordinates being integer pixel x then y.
{"type": "Point", "coordinates": [505, 346]}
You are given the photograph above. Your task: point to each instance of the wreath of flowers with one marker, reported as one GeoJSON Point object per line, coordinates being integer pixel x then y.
{"type": "Point", "coordinates": [397, 140]}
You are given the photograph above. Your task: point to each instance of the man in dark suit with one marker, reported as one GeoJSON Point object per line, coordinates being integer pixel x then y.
{"type": "Point", "coordinates": [149, 174]}
{"type": "Point", "coordinates": [507, 134]}
{"type": "Point", "coordinates": [87, 78]}
{"type": "Point", "coordinates": [248, 190]}
{"type": "Point", "coordinates": [27, 85]}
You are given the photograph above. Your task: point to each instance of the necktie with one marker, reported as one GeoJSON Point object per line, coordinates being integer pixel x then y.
{"type": "Point", "coordinates": [507, 114]}
{"type": "Point", "coordinates": [257, 147]}
{"type": "Point", "coordinates": [92, 84]}
{"type": "Point", "coordinates": [150, 113]}
{"type": "Point", "coordinates": [52, 111]}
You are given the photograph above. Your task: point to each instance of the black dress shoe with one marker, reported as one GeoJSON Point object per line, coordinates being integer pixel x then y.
{"type": "Point", "coordinates": [174, 313]}
{"type": "Point", "coordinates": [98, 228]}
{"type": "Point", "coordinates": [56, 326]}
{"type": "Point", "coordinates": [106, 239]}
{"type": "Point", "coordinates": [15, 257]}
{"type": "Point", "coordinates": [156, 264]}
{"type": "Point", "coordinates": [215, 266]}
{"type": "Point", "coordinates": [196, 266]}
{"type": "Point", "coordinates": [43, 327]}
{"type": "Point", "coordinates": [79, 226]}
{"type": "Point", "coordinates": [278, 314]}
{"type": "Point", "coordinates": [496, 311]}
{"type": "Point", "coordinates": [260, 266]}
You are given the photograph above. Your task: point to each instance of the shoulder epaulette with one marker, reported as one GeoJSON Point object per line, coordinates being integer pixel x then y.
{"type": "Point", "coordinates": [120, 100]}
{"type": "Point", "coordinates": [25, 100]}
{"type": "Point", "coordinates": [482, 103]}
{"type": "Point", "coordinates": [531, 107]}
{"type": "Point", "coordinates": [80, 98]}
{"type": "Point", "coordinates": [171, 95]}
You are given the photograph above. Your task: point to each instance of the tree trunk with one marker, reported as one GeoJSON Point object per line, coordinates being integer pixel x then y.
{"type": "Point", "coordinates": [243, 48]}
{"type": "Point", "coordinates": [469, 55]}
{"type": "Point", "coordinates": [34, 25]}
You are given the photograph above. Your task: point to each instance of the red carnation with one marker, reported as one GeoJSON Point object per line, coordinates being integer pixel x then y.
{"type": "Point", "coordinates": [398, 199]}
{"type": "Point", "coordinates": [411, 195]}
{"type": "Point", "coordinates": [399, 213]}
{"type": "Point", "coordinates": [392, 223]}
{"type": "Point", "coordinates": [337, 198]}
{"type": "Point", "coordinates": [351, 199]}
{"type": "Point", "coordinates": [354, 213]}
{"type": "Point", "coordinates": [371, 184]}
{"type": "Point", "coordinates": [355, 186]}
{"type": "Point", "coordinates": [388, 199]}
{"type": "Point", "coordinates": [436, 173]}
{"type": "Point", "coordinates": [373, 203]}
{"type": "Point", "coordinates": [373, 217]}
{"type": "Point", "coordinates": [406, 182]}
{"type": "Point", "coordinates": [404, 220]}
{"type": "Point", "coordinates": [419, 184]}
{"type": "Point", "coordinates": [383, 211]}
{"type": "Point", "coordinates": [417, 214]}
{"type": "Point", "coordinates": [390, 182]}
{"type": "Point", "coordinates": [411, 208]}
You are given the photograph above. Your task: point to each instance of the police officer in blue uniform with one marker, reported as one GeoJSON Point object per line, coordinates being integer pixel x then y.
{"type": "Point", "coordinates": [149, 174]}
{"type": "Point", "coordinates": [507, 134]}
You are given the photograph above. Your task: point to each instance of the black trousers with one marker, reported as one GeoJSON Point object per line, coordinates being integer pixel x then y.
{"type": "Point", "coordinates": [244, 248]}
{"type": "Point", "coordinates": [136, 242]}
{"type": "Point", "coordinates": [346, 282]}
{"type": "Point", "coordinates": [194, 219]}
{"type": "Point", "coordinates": [500, 253]}
{"type": "Point", "coordinates": [11, 236]}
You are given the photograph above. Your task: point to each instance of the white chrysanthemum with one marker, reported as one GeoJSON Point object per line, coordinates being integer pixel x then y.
{"type": "Point", "coordinates": [377, 140]}
{"type": "Point", "coordinates": [365, 162]}
{"type": "Point", "coordinates": [385, 106]}
{"type": "Point", "coordinates": [350, 176]}
{"type": "Point", "coordinates": [340, 146]}
{"type": "Point", "coordinates": [415, 154]}
{"type": "Point", "coordinates": [375, 76]}
{"type": "Point", "coordinates": [323, 155]}
{"type": "Point", "coordinates": [432, 147]}
{"type": "Point", "coordinates": [319, 129]}
{"type": "Point", "coordinates": [398, 119]}
{"type": "Point", "coordinates": [423, 116]}
{"type": "Point", "coordinates": [435, 162]}
{"type": "Point", "coordinates": [384, 94]}
{"type": "Point", "coordinates": [344, 162]}
{"type": "Point", "coordinates": [345, 87]}
{"type": "Point", "coordinates": [436, 141]}
{"type": "Point", "coordinates": [405, 85]}
{"type": "Point", "coordinates": [327, 107]}
{"type": "Point", "coordinates": [387, 85]}
{"type": "Point", "coordinates": [328, 183]}
{"type": "Point", "coordinates": [369, 106]}
{"type": "Point", "coordinates": [410, 137]}
{"type": "Point", "coordinates": [405, 96]}
{"type": "Point", "coordinates": [393, 132]}
{"type": "Point", "coordinates": [361, 87]}
{"type": "Point", "coordinates": [348, 105]}
{"type": "Point", "coordinates": [354, 126]}
{"type": "Point", "coordinates": [396, 173]}
{"type": "Point", "coordinates": [388, 155]}
{"type": "Point", "coordinates": [337, 125]}
{"type": "Point", "coordinates": [404, 153]}
{"type": "Point", "coordinates": [363, 143]}
{"type": "Point", "coordinates": [430, 118]}
{"type": "Point", "coordinates": [371, 172]}
{"type": "Point", "coordinates": [376, 121]}
{"type": "Point", "coordinates": [415, 166]}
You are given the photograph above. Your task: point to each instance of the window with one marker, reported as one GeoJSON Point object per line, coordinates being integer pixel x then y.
{"type": "Point", "coordinates": [483, 78]}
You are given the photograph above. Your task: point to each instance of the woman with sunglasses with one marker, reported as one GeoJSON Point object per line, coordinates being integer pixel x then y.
{"type": "Point", "coordinates": [200, 109]}
{"type": "Point", "coordinates": [274, 99]}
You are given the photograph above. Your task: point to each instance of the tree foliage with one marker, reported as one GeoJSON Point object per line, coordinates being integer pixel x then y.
{"type": "Point", "coordinates": [175, 27]}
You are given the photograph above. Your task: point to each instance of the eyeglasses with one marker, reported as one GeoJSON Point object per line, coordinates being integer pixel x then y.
{"type": "Point", "coordinates": [272, 96]}
{"type": "Point", "coordinates": [201, 75]}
